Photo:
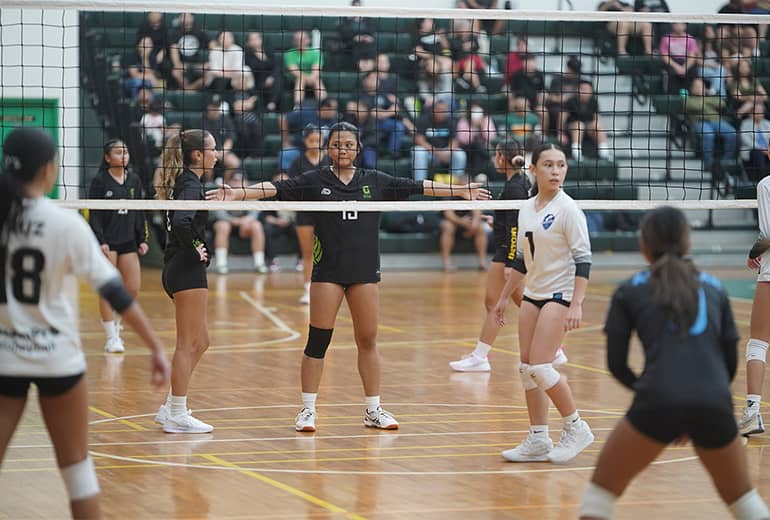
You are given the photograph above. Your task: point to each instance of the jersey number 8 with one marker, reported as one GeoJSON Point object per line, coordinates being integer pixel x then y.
{"type": "Point", "coordinates": [26, 265]}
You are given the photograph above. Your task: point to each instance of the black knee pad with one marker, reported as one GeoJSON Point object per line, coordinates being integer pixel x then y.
{"type": "Point", "coordinates": [317, 342]}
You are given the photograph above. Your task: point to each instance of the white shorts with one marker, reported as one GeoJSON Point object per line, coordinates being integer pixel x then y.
{"type": "Point", "coordinates": [764, 268]}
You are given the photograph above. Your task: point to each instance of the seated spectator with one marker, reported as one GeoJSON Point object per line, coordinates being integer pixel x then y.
{"type": "Point", "coordinates": [154, 28]}
{"type": "Point", "coordinates": [226, 63]}
{"type": "Point", "coordinates": [246, 120]}
{"type": "Point", "coordinates": [755, 136]}
{"type": "Point", "coordinates": [293, 123]}
{"type": "Point", "coordinates": [563, 87]}
{"type": "Point", "coordinates": [475, 133]}
{"type": "Point", "coordinates": [313, 155]}
{"type": "Point", "coordinates": [738, 39]}
{"type": "Point", "coordinates": [435, 140]}
{"type": "Point", "coordinates": [581, 119]}
{"type": "Point", "coordinates": [267, 83]}
{"type": "Point", "coordinates": [651, 6]}
{"type": "Point", "coordinates": [303, 68]}
{"type": "Point", "coordinates": [489, 26]}
{"type": "Point", "coordinates": [520, 121]}
{"type": "Point", "coordinates": [744, 90]}
{"type": "Point", "coordinates": [188, 49]}
{"type": "Point", "coordinates": [432, 51]}
{"type": "Point", "coordinates": [220, 126]}
{"type": "Point", "coordinates": [680, 52]}
{"type": "Point", "coordinates": [711, 70]}
{"type": "Point", "coordinates": [144, 96]}
{"type": "Point", "coordinates": [470, 65]}
{"type": "Point", "coordinates": [623, 29]}
{"type": "Point", "coordinates": [529, 82]}
{"type": "Point", "coordinates": [514, 62]}
{"type": "Point", "coordinates": [277, 224]}
{"type": "Point", "coordinates": [465, 224]}
{"type": "Point", "coordinates": [141, 69]}
{"type": "Point", "coordinates": [357, 113]}
{"type": "Point", "coordinates": [710, 120]}
{"type": "Point", "coordinates": [358, 39]}
{"type": "Point", "coordinates": [153, 124]}
{"type": "Point", "coordinates": [247, 227]}
{"type": "Point", "coordinates": [379, 93]}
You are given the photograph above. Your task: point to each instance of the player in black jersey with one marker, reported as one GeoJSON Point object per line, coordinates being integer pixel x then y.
{"type": "Point", "coordinates": [685, 324]}
{"type": "Point", "coordinates": [122, 234]}
{"type": "Point", "coordinates": [509, 161]}
{"type": "Point", "coordinates": [346, 259]}
{"type": "Point", "coordinates": [186, 159]}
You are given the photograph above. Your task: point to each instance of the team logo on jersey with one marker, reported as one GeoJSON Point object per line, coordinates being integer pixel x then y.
{"type": "Point", "coordinates": [326, 191]}
{"type": "Point", "coordinates": [108, 193]}
{"type": "Point", "coordinates": [548, 221]}
{"type": "Point", "coordinates": [367, 192]}
{"type": "Point", "coordinates": [131, 193]}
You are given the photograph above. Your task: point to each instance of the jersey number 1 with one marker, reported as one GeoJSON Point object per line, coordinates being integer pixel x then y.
{"type": "Point", "coordinates": [26, 266]}
{"type": "Point", "coordinates": [531, 240]}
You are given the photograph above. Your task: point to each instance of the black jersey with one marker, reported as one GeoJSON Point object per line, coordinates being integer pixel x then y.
{"type": "Point", "coordinates": [117, 226]}
{"type": "Point", "coordinates": [302, 164]}
{"type": "Point", "coordinates": [690, 371]}
{"type": "Point", "coordinates": [347, 246]}
{"type": "Point", "coordinates": [186, 228]}
{"type": "Point", "coordinates": [506, 224]}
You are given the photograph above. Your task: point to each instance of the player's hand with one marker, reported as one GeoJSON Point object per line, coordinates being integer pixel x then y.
{"type": "Point", "coordinates": [489, 219]}
{"type": "Point", "coordinates": [160, 370]}
{"type": "Point", "coordinates": [203, 253]}
{"type": "Point", "coordinates": [105, 249]}
{"type": "Point", "coordinates": [223, 192]}
{"type": "Point", "coordinates": [143, 248]}
{"type": "Point", "coordinates": [754, 263]}
{"type": "Point", "coordinates": [574, 316]}
{"type": "Point", "coordinates": [475, 192]}
{"type": "Point", "coordinates": [502, 305]}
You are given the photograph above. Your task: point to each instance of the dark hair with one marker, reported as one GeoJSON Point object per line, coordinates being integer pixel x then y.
{"type": "Point", "coordinates": [107, 148]}
{"type": "Point", "coordinates": [665, 234]}
{"type": "Point", "coordinates": [343, 126]}
{"type": "Point", "coordinates": [542, 148]}
{"type": "Point", "coordinates": [310, 128]}
{"type": "Point", "coordinates": [25, 151]}
{"type": "Point", "coordinates": [327, 102]}
{"type": "Point", "coordinates": [191, 140]}
{"type": "Point", "coordinates": [513, 152]}
{"type": "Point", "coordinates": [574, 64]}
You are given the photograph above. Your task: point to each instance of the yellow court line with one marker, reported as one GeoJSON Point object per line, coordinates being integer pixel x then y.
{"type": "Point", "coordinates": [285, 487]}
{"type": "Point", "coordinates": [125, 422]}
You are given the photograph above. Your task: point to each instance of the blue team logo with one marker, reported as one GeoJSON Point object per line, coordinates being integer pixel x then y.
{"type": "Point", "coordinates": [548, 221]}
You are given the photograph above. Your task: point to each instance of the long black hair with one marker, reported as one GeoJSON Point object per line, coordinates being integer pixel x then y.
{"type": "Point", "coordinates": [25, 151]}
{"type": "Point", "coordinates": [106, 149]}
{"type": "Point", "coordinates": [665, 234]}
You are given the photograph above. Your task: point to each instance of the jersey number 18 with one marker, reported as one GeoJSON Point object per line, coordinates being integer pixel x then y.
{"type": "Point", "coordinates": [26, 266]}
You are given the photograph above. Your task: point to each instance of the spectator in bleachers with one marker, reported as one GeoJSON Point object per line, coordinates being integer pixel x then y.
{"type": "Point", "coordinates": [514, 61]}
{"type": "Point", "coordinates": [651, 6]}
{"type": "Point", "coordinates": [435, 141]}
{"type": "Point", "coordinates": [432, 51]}
{"type": "Point", "coordinates": [358, 113]}
{"type": "Point", "coordinates": [278, 224]}
{"type": "Point", "coordinates": [246, 120]}
{"type": "Point", "coordinates": [623, 29]}
{"type": "Point", "coordinates": [488, 26]}
{"type": "Point", "coordinates": [466, 224]}
{"type": "Point", "coordinates": [291, 127]}
{"type": "Point", "coordinates": [529, 82]}
{"type": "Point", "coordinates": [188, 49]}
{"type": "Point", "coordinates": [154, 28]}
{"type": "Point", "coordinates": [711, 69]}
{"type": "Point", "coordinates": [581, 119]}
{"type": "Point", "coordinates": [262, 64]}
{"type": "Point", "coordinates": [475, 133]}
{"type": "Point", "coordinates": [226, 63]}
{"type": "Point", "coordinates": [248, 227]}
{"type": "Point", "coordinates": [220, 126]}
{"type": "Point", "coordinates": [755, 136]}
{"type": "Point", "coordinates": [358, 39]}
{"type": "Point", "coordinates": [564, 86]}
{"type": "Point", "coordinates": [710, 118]}
{"type": "Point", "coordinates": [680, 52]}
{"type": "Point", "coordinates": [153, 125]}
{"type": "Point", "coordinates": [739, 39]}
{"type": "Point", "coordinates": [313, 155]}
{"type": "Point", "coordinates": [144, 96]}
{"type": "Point", "coordinates": [303, 67]}
{"type": "Point", "coordinates": [744, 90]}
{"type": "Point", "coordinates": [520, 121]}
{"type": "Point", "coordinates": [470, 65]}
{"type": "Point", "coordinates": [141, 69]}
{"type": "Point", "coordinates": [379, 93]}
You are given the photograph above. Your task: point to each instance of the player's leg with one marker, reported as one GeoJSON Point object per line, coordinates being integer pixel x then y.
{"type": "Point", "coordinates": [756, 352]}
{"type": "Point", "coordinates": [13, 398]}
{"type": "Point", "coordinates": [305, 237]}
{"type": "Point", "coordinates": [480, 241]}
{"type": "Point", "coordinates": [446, 243]}
{"type": "Point", "coordinates": [222, 230]}
{"type": "Point", "coordinates": [112, 342]}
{"type": "Point", "coordinates": [131, 271]}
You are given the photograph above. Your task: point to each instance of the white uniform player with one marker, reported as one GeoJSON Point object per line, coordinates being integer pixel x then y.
{"type": "Point", "coordinates": [763, 205]}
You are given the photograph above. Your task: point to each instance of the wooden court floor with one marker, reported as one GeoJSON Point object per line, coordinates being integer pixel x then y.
{"type": "Point", "coordinates": [444, 462]}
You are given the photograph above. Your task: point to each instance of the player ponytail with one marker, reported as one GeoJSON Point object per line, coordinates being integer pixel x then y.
{"type": "Point", "coordinates": [169, 168]}
{"type": "Point", "coordinates": [513, 152]}
{"type": "Point", "coordinates": [665, 235]}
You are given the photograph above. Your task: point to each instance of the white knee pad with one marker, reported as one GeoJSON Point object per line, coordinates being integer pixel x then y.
{"type": "Point", "coordinates": [756, 350]}
{"type": "Point", "coordinates": [750, 507]}
{"type": "Point", "coordinates": [597, 502]}
{"type": "Point", "coordinates": [544, 375]}
{"type": "Point", "coordinates": [80, 480]}
{"type": "Point", "coordinates": [526, 380]}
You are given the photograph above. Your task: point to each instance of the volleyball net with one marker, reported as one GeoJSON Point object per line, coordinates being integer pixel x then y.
{"type": "Point", "coordinates": [648, 107]}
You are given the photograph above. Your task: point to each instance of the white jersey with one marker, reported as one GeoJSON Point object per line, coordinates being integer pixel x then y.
{"type": "Point", "coordinates": [38, 323]}
{"type": "Point", "coordinates": [551, 241]}
{"type": "Point", "coordinates": [763, 205]}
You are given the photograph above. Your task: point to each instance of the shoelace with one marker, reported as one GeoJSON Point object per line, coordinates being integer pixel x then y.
{"type": "Point", "coordinates": [567, 435]}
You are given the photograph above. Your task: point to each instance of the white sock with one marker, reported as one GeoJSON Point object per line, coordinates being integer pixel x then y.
{"type": "Point", "coordinates": [539, 430]}
{"type": "Point", "coordinates": [307, 287]}
{"type": "Point", "coordinates": [168, 399]}
{"type": "Point", "coordinates": [308, 400]}
{"type": "Point", "coordinates": [220, 254]}
{"type": "Point", "coordinates": [118, 325]}
{"type": "Point", "coordinates": [571, 420]}
{"type": "Point", "coordinates": [481, 350]}
{"type": "Point", "coordinates": [749, 507]}
{"type": "Point", "coordinates": [109, 329]}
{"type": "Point", "coordinates": [178, 404]}
{"type": "Point", "coordinates": [372, 402]}
{"type": "Point", "coordinates": [753, 400]}
{"type": "Point", "coordinates": [259, 258]}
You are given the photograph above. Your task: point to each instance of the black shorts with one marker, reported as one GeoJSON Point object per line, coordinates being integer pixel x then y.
{"type": "Point", "coordinates": [124, 248]}
{"type": "Point", "coordinates": [182, 272]}
{"type": "Point", "coordinates": [501, 255]}
{"type": "Point", "coordinates": [708, 427]}
{"type": "Point", "coordinates": [305, 218]}
{"type": "Point", "coordinates": [541, 303]}
{"type": "Point", "coordinates": [17, 387]}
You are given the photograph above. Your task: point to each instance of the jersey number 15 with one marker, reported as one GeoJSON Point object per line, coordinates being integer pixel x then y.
{"type": "Point", "coordinates": [26, 265]}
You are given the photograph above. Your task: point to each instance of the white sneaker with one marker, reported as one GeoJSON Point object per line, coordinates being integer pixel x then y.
{"type": "Point", "coordinates": [751, 422]}
{"type": "Point", "coordinates": [471, 363]}
{"type": "Point", "coordinates": [305, 420]}
{"type": "Point", "coordinates": [381, 419]}
{"type": "Point", "coordinates": [574, 439]}
{"type": "Point", "coordinates": [222, 269]}
{"type": "Point", "coordinates": [114, 345]}
{"type": "Point", "coordinates": [185, 423]}
{"type": "Point", "coordinates": [261, 268]}
{"type": "Point", "coordinates": [560, 358]}
{"type": "Point", "coordinates": [305, 298]}
{"type": "Point", "coordinates": [533, 449]}
{"type": "Point", "coordinates": [162, 416]}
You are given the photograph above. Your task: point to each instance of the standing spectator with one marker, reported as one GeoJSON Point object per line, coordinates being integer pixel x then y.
{"type": "Point", "coordinates": [247, 226]}
{"type": "Point", "coordinates": [188, 51]}
{"type": "Point", "coordinates": [379, 93]}
{"type": "Point", "coordinates": [141, 69]}
{"type": "Point", "coordinates": [623, 29]}
{"type": "Point", "coordinates": [435, 140]}
{"type": "Point", "coordinates": [220, 126]}
{"type": "Point", "coordinates": [680, 52]}
{"type": "Point", "coordinates": [358, 39]}
{"type": "Point", "coordinates": [262, 65]}
{"type": "Point", "coordinates": [744, 90]}
{"type": "Point", "coordinates": [710, 120]}
{"type": "Point", "coordinates": [520, 121]}
{"type": "Point", "coordinates": [755, 136]}
{"type": "Point", "coordinates": [303, 66]}
{"type": "Point", "coordinates": [475, 133]}
{"type": "Point", "coordinates": [581, 118]}
{"type": "Point", "coordinates": [226, 63]}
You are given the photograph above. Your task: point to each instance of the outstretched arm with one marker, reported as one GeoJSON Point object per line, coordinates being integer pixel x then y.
{"type": "Point", "coordinates": [472, 191]}
{"type": "Point", "coordinates": [260, 190]}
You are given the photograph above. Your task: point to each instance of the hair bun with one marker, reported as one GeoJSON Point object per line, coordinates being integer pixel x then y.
{"type": "Point", "coordinates": [518, 161]}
